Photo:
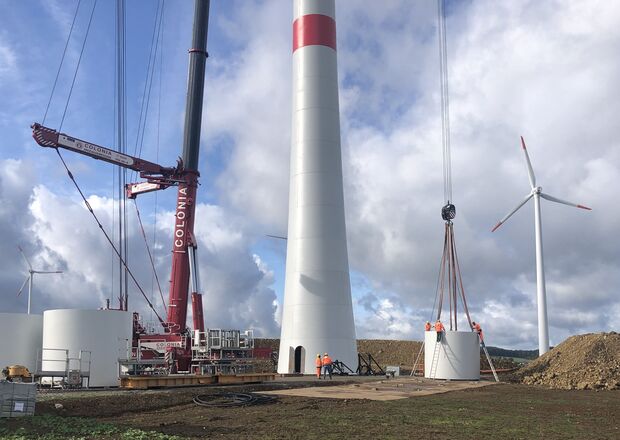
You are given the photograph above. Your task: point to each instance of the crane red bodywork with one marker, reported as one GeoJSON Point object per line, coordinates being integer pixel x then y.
{"type": "Point", "coordinates": [157, 177]}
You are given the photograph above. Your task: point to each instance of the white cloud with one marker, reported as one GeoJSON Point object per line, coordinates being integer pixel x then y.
{"type": "Point", "coordinates": [8, 60]}
{"type": "Point", "coordinates": [546, 70]}
{"type": "Point", "coordinates": [58, 232]}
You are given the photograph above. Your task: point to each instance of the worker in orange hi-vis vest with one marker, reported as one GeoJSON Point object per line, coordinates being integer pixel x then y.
{"type": "Point", "coordinates": [319, 364]}
{"type": "Point", "coordinates": [439, 328]}
{"type": "Point", "coordinates": [427, 327]}
{"type": "Point", "coordinates": [327, 366]}
{"type": "Point", "coordinates": [476, 327]}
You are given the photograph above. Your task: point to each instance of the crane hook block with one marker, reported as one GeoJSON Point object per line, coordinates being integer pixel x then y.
{"type": "Point", "coordinates": [448, 212]}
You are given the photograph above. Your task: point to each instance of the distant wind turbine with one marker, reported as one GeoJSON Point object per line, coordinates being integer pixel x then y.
{"type": "Point", "coordinates": [536, 193]}
{"type": "Point", "coordinates": [30, 277]}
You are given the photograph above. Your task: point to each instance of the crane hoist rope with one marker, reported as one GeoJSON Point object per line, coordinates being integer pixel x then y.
{"type": "Point", "coordinates": [445, 105]}
{"type": "Point", "coordinates": [184, 176]}
{"type": "Point", "coordinates": [449, 282]}
{"type": "Point", "coordinates": [148, 250]}
{"type": "Point", "coordinates": [62, 60]}
{"type": "Point", "coordinates": [107, 236]}
{"type": "Point", "coordinates": [77, 67]}
{"type": "Point", "coordinates": [119, 250]}
{"type": "Point", "coordinates": [120, 132]}
{"type": "Point", "coordinates": [156, 39]}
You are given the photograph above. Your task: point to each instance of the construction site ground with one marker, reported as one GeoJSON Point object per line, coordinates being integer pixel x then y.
{"type": "Point", "coordinates": [499, 411]}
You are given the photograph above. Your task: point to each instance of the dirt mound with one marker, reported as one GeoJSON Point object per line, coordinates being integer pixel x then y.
{"type": "Point", "coordinates": [388, 352]}
{"type": "Point", "coordinates": [590, 361]}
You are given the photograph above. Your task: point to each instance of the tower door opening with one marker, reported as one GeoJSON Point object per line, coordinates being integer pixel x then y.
{"type": "Point", "coordinates": [299, 359]}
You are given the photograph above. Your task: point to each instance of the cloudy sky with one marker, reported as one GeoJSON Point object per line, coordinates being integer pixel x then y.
{"type": "Point", "coordinates": [545, 70]}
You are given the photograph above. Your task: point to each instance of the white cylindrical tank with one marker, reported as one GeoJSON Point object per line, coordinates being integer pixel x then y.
{"type": "Point", "coordinates": [102, 332]}
{"type": "Point", "coordinates": [20, 339]}
{"type": "Point", "coordinates": [317, 314]}
{"type": "Point", "coordinates": [457, 357]}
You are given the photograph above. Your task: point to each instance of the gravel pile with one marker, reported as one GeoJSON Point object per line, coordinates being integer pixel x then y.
{"type": "Point", "coordinates": [590, 361]}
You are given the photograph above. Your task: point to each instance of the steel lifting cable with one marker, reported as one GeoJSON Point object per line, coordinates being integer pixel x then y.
{"type": "Point", "coordinates": [121, 139]}
{"type": "Point", "coordinates": [148, 250]}
{"type": "Point", "coordinates": [449, 269]}
{"type": "Point", "coordinates": [148, 84]}
{"type": "Point", "coordinates": [62, 60]}
{"type": "Point", "coordinates": [156, 37]}
{"type": "Point", "coordinates": [445, 103]}
{"type": "Point", "coordinates": [161, 70]}
{"type": "Point", "coordinates": [70, 174]}
{"type": "Point", "coordinates": [77, 68]}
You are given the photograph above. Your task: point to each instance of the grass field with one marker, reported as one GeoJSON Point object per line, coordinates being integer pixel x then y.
{"type": "Point", "coordinates": [505, 411]}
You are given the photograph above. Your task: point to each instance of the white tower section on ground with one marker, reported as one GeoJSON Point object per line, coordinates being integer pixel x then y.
{"type": "Point", "coordinates": [457, 357]}
{"type": "Point", "coordinates": [102, 332]}
{"type": "Point", "coordinates": [317, 313]}
{"type": "Point", "coordinates": [20, 339]}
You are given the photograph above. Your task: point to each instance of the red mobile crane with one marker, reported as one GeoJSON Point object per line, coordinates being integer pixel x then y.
{"type": "Point", "coordinates": [184, 175]}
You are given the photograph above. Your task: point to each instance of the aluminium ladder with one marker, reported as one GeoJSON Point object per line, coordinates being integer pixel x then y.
{"type": "Point", "coordinates": [435, 361]}
{"type": "Point", "coordinates": [415, 363]}
{"type": "Point", "coordinates": [486, 353]}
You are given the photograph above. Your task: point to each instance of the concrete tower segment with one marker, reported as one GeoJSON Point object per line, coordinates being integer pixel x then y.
{"type": "Point", "coordinates": [317, 314]}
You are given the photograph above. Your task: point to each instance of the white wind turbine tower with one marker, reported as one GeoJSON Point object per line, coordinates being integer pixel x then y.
{"type": "Point", "coordinates": [541, 294]}
{"type": "Point", "coordinates": [30, 277]}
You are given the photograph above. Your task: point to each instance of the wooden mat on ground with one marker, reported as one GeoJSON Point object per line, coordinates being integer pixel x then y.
{"type": "Point", "coordinates": [388, 389]}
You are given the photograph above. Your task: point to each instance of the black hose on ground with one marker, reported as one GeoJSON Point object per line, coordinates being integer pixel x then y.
{"type": "Point", "coordinates": [224, 400]}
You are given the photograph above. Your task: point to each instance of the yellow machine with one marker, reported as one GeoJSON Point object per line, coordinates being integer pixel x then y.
{"type": "Point", "coordinates": [17, 373]}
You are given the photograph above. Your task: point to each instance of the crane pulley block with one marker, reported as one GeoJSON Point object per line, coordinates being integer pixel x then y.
{"type": "Point", "coordinates": [448, 212]}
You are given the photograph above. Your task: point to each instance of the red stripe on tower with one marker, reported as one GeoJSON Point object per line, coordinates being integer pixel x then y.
{"type": "Point", "coordinates": [313, 30]}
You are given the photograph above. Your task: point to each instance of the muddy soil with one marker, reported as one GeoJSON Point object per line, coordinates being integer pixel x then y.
{"type": "Point", "coordinates": [505, 411]}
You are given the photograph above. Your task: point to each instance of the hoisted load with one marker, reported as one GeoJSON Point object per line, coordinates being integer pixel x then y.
{"type": "Point", "coordinates": [448, 352]}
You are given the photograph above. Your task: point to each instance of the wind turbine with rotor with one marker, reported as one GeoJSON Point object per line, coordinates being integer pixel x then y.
{"type": "Point", "coordinates": [541, 293]}
{"type": "Point", "coordinates": [30, 277]}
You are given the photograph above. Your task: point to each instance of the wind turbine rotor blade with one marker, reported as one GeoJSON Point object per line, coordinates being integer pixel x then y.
{"type": "Point", "coordinates": [23, 285]}
{"type": "Point", "coordinates": [47, 271]}
{"type": "Point", "coordinates": [24, 255]}
{"type": "Point", "coordinates": [279, 237]}
{"type": "Point", "coordinates": [507, 216]}
{"type": "Point", "coordinates": [564, 202]}
{"type": "Point", "coordinates": [530, 170]}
